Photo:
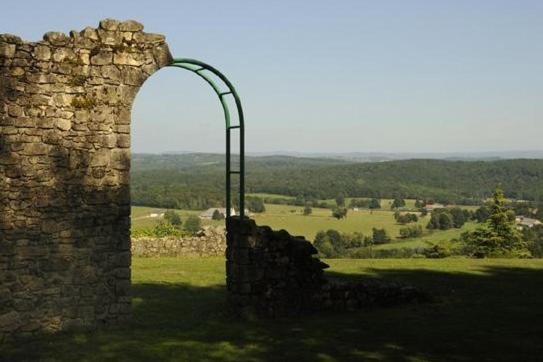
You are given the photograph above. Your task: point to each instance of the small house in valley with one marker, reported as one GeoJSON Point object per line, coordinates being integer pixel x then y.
{"type": "Point", "coordinates": [208, 214]}
{"type": "Point", "coordinates": [432, 207]}
{"type": "Point", "coordinates": [526, 222]}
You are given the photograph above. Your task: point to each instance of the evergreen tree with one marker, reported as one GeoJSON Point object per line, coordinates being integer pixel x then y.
{"type": "Point", "coordinates": [498, 236]}
{"type": "Point", "coordinates": [340, 200]}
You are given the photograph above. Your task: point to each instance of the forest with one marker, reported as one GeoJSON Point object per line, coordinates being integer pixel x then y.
{"type": "Point", "coordinates": [196, 181]}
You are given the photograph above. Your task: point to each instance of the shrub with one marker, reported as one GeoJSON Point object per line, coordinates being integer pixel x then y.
{"type": "Point", "coordinates": [444, 219]}
{"type": "Point", "coordinates": [332, 243]}
{"type": "Point", "coordinates": [413, 231]}
{"type": "Point", "coordinates": [437, 252]}
{"type": "Point", "coordinates": [161, 230]}
{"type": "Point", "coordinates": [405, 218]}
{"type": "Point", "coordinates": [375, 204]}
{"type": "Point", "coordinates": [192, 224]}
{"type": "Point", "coordinates": [397, 203]}
{"type": "Point", "coordinates": [172, 218]}
{"type": "Point", "coordinates": [534, 237]}
{"type": "Point", "coordinates": [380, 236]}
{"type": "Point", "coordinates": [339, 213]}
{"type": "Point", "coordinates": [217, 215]}
{"type": "Point", "coordinates": [255, 204]}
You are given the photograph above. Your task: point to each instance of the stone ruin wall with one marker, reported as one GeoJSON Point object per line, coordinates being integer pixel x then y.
{"type": "Point", "coordinates": [274, 274]}
{"type": "Point", "coordinates": [65, 247]}
{"type": "Point", "coordinates": [65, 106]}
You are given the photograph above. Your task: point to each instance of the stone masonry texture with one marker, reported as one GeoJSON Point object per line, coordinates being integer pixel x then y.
{"type": "Point", "coordinates": [65, 106]}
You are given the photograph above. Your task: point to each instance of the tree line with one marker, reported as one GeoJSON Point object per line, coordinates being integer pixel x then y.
{"type": "Point", "coordinates": [194, 184]}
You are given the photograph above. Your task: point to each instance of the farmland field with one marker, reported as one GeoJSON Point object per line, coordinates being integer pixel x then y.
{"type": "Point", "coordinates": [291, 218]}
{"type": "Point", "coordinates": [482, 310]}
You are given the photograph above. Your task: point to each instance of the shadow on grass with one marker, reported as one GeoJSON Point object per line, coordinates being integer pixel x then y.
{"type": "Point", "coordinates": [494, 315]}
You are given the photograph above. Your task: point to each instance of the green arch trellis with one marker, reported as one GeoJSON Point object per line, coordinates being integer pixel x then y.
{"type": "Point", "coordinates": [203, 70]}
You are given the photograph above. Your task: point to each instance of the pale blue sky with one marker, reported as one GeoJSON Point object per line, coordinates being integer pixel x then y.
{"type": "Point", "coordinates": [332, 76]}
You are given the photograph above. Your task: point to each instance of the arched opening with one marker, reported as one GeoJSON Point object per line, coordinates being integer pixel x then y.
{"type": "Point", "coordinates": [233, 122]}
{"type": "Point", "coordinates": [178, 131]}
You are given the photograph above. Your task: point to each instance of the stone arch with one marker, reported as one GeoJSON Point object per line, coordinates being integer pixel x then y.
{"type": "Point", "coordinates": [65, 107]}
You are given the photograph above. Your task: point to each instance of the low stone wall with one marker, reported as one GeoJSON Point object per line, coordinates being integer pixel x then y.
{"type": "Point", "coordinates": [210, 241]}
{"type": "Point", "coordinates": [272, 273]}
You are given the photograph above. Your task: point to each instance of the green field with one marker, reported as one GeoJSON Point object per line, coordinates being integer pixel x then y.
{"type": "Point", "coordinates": [291, 219]}
{"type": "Point", "coordinates": [482, 310]}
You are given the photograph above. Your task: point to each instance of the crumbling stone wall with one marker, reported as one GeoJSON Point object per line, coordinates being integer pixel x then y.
{"type": "Point", "coordinates": [65, 106]}
{"type": "Point", "coordinates": [273, 274]}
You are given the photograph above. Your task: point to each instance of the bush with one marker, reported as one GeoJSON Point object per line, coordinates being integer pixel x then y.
{"type": "Point", "coordinates": [161, 230]}
{"type": "Point", "coordinates": [413, 231]}
{"type": "Point", "coordinates": [307, 210]}
{"type": "Point", "coordinates": [217, 215]}
{"type": "Point", "coordinates": [332, 243]}
{"type": "Point", "coordinates": [405, 218]}
{"type": "Point", "coordinates": [375, 204]}
{"type": "Point", "coordinates": [193, 224]}
{"type": "Point", "coordinates": [339, 213]}
{"type": "Point", "coordinates": [445, 219]}
{"type": "Point", "coordinates": [437, 252]}
{"type": "Point", "coordinates": [369, 253]}
{"type": "Point", "coordinates": [397, 203]}
{"type": "Point", "coordinates": [380, 236]}
{"type": "Point", "coordinates": [534, 237]}
{"type": "Point", "coordinates": [255, 204]}
{"type": "Point", "coordinates": [172, 218]}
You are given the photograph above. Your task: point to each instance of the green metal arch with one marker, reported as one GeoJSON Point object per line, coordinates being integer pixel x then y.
{"type": "Point", "coordinates": [202, 69]}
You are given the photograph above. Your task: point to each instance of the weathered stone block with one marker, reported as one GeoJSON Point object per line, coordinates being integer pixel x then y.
{"type": "Point", "coordinates": [56, 38]}
{"type": "Point", "coordinates": [7, 50]}
{"type": "Point", "coordinates": [130, 25]}
{"type": "Point", "coordinates": [102, 58]}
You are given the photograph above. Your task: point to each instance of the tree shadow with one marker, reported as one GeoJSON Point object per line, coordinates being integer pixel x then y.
{"type": "Point", "coordinates": [494, 314]}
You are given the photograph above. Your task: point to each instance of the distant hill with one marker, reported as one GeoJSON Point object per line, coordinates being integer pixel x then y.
{"type": "Point", "coordinates": [210, 161]}
{"type": "Point", "coordinates": [197, 180]}
{"type": "Point", "coordinates": [393, 156]}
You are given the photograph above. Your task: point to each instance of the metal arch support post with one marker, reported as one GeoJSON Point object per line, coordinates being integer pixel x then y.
{"type": "Point", "coordinates": [201, 69]}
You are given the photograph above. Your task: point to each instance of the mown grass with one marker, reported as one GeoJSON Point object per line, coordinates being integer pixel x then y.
{"type": "Point", "coordinates": [483, 310]}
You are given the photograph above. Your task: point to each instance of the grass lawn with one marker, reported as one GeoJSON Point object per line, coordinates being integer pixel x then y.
{"type": "Point", "coordinates": [483, 310]}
